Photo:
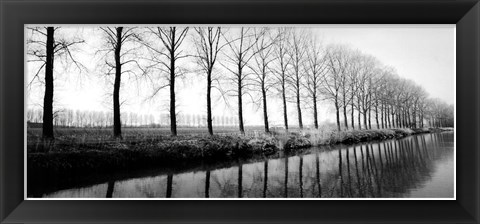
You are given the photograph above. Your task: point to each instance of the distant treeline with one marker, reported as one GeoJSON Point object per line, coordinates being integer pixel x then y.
{"type": "Point", "coordinates": [80, 118]}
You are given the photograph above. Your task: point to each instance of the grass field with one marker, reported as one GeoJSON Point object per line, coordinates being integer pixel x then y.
{"type": "Point", "coordinates": [323, 136]}
{"type": "Point", "coordinates": [94, 135]}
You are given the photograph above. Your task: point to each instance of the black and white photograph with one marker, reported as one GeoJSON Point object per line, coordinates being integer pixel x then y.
{"type": "Point", "coordinates": [216, 111]}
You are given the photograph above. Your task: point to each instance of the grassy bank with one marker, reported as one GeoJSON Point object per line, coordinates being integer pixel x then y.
{"type": "Point", "coordinates": [70, 159]}
{"type": "Point", "coordinates": [166, 151]}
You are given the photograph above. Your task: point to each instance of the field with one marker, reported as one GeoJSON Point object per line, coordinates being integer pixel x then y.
{"type": "Point", "coordinates": [95, 135]}
{"type": "Point", "coordinates": [102, 137]}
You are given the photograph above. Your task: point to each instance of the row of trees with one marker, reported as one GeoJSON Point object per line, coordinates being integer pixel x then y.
{"type": "Point", "coordinates": [79, 118]}
{"type": "Point", "coordinates": [291, 64]}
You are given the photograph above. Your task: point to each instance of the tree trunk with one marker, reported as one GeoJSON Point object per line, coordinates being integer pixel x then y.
{"type": "Point", "coordinates": [240, 106]}
{"type": "Point", "coordinates": [359, 116]}
{"type": "Point", "coordinates": [47, 126]}
{"type": "Point", "coordinates": [414, 116]}
{"type": "Point", "coordinates": [315, 112]}
{"type": "Point", "coordinates": [397, 118]}
{"type": "Point", "coordinates": [207, 184]}
{"type": "Point", "coordinates": [369, 118]}
{"type": "Point", "coordinates": [345, 111]}
{"type": "Point", "coordinates": [110, 188]}
{"type": "Point", "coordinates": [265, 178]}
{"type": "Point", "coordinates": [394, 124]}
{"type": "Point", "coordinates": [382, 112]}
{"type": "Point", "coordinates": [300, 176]}
{"type": "Point", "coordinates": [169, 185]}
{"type": "Point", "coordinates": [117, 125]}
{"type": "Point", "coordinates": [337, 109]}
{"type": "Point", "coordinates": [209, 102]}
{"type": "Point", "coordinates": [299, 109]}
{"type": "Point", "coordinates": [388, 117]}
{"type": "Point", "coordinates": [365, 118]}
{"type": "Point", "coordinates": [240, 185]}
{"type": "Point", "coordinates": [376, 116]}
{"type": "Point", "coordinates": [265, 113]}
{"type": "Point", "coordinates": [284, 98]}
{"type": "Point", "coordinates": [173, 115]}
{"type": "Point", "coordinates": [352, 116]}
{"type": "Point", "coordinates": [285, 183]}
{"type": "Point", "coordinates": [409, 119]}
{"type": "Point", "coordinates": [402, 120]}
{"type": "Point", "coordinates": [421, 120]}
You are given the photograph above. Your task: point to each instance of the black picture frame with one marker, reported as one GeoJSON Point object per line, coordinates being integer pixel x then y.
{"type": "Point", "coordinates": [14, 14]}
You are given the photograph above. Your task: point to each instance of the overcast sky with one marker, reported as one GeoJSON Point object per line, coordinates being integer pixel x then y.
{"type": "Point", "coordinates": [422, 53]}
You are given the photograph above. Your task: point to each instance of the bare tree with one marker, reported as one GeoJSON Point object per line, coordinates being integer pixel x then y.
{"type": "Point", "coordinates": [297, 52]}
{"type": "Point", "coordinates": [337, 70]}
{"type": "Point", "coordinates": [390, 95]}
{"type": "Point", "coordinates": [281, 68]}
{"type": "Point", "coordinates": [171, 39]}
{"type": "Point", "coordinates": [377, 87]}
{"type": "Point", "coordinates": [381, 99]}
{"type": "Point", "coordinates": [315, 70]}
{"type": "Point", "coordinates": [208, 47]}
{"type": "Point", "coordinates": [398, 89]}
{"type": "Point", "coordinates": [353, 71]}
{"type": "Point", "coordinates": [262, 80]}
{"type": "Point", "coordinates": [364, 91]}
{"type": "Point", "coordinates": [242, 50]}
{"type": "Point", "coordinates": [421, 106]}
{"type": "Point", "coordinates": [345, 79]}
{"type": "Point", "coordinates": [120, 42]}
{"type": "Point", "coordinates": [43, 47]}
{"type": "Point", "coordinates": [441, 114]}
{"type": "Point", "coordinates": [418, 97]}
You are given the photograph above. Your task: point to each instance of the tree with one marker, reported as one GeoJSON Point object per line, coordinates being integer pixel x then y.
{"type": "Point", "coordinates": [171, 39]}
{"type": "Point", "coordinates": [43, 47]}
{"type": "Point", "coordinates": [390, 94]}
{"type": "Point", "coordinates": [262, 80]}
{"type": "Point", "coordinates": [208, 47]}
{"type": "Point", "coordinates": [297, 51]}
{"type": "Point", "coordinates": [281, 68]}
{"type": "Point", "coordinates": [345, 86]}
{"type": "Point", "coordinates": [378, 85]}
{"type": "Point", "coordinates": [337, 71]}
{"type": "Point", "coordinates": [120, 43]}
{"type": "Point", "coordinates": [242, 50]}
{"type": "Point", "coordinates": [353, 72]}
{"type": "Point", "coordinates": [418, 98]}
{"type": "Point", "coordinates": [381, 96]}
{"type": "Point", "coordinates": [440, 113]}
{"type": "Point", "coordinates": [363, 93]}
{"type": "Point", "coordinates": [315, 70]}
{"type": "Point", "coordinates": [422, 107]}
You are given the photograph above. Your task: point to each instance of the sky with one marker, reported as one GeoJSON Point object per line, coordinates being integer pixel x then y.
{"type": "Point", "coordinates": [422, 53]}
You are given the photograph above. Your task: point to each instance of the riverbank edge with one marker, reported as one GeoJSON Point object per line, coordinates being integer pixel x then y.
{"type": "Point", "coordinates": [71, 161]}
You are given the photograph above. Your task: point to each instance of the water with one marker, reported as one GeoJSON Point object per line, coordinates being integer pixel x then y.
{"type": "Point", "coordinates": [420, 166]}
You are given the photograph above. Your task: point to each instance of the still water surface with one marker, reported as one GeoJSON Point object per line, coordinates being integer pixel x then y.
{"type": "Point", "coordinates": [420, 166]}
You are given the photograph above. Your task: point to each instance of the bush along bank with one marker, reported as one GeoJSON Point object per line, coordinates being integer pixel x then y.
{"type": "Point", "coordinates": [188, 151]}
{"type": "Point", "coordinates": [309, 138]}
